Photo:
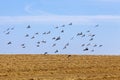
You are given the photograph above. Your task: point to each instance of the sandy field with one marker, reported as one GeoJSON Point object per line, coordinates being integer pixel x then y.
{"type": "Point", "coordinates": [59, 67]}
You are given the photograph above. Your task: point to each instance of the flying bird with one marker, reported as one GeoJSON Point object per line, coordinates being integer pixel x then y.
{"type": "Point", "coordinates": [56, 51]}
{"type": "Point", "coordinates": [43, 41]}
{"type": "Point", "coordinates": [38, 42]}
{"type": "Point", "coordinates": [8, 29]}
{"type": "Point", "coordinates": [45, 53]}
{"type": "Point", "coordinates": [67, 44]}
{"type": "Point", "coordinates": [53, 38]}
{"type": "Point", "coordinates": [78, 34]}
{"type": "Point", "coordinates": [23, 47]}
{"type": "Point", "coordinates": [28, 27]}
{"type": "Point", "coordinates": [83, 45]}
{"type": "Point", "coordinates": [92, 50]}
{"type": "Point", "coordinates": [7, 33]}
{"type": "Point", "coordinates": [22, 44]}
{"type": "Point", "coordinates": [63, 26]}
{"type": "Point", "coordinates": [57, 27]}
{"type": "Point", "coordinates": [86, 49]}
{"type": "Point", "coordinates": [72, 38]}
{"type": "Point", "coordinates": [38, 45]}
{"type": "Point", "coordinates": [100, 45]}
{"type": "Point", "coordinates": [70, 23]}
{"type": "Point", "coordinates": [88, 31]}
{"type": "Point", "coordinates": [44, 33]}
{"type": "Point", "coordinates": [88, 44]}
{"type": "Point", "coordinates": [64, 47]}
{"type": "Point", "coordinates": [58, 38]}
{"type": "Point", "coordinates": [91, 39]}
{"type": "Point", "coordinates": [26, 35]}
{"type": "Point", "coordinates": [36, 33]}
{"type": "Point", "coordinates": [97, 25]}
{"type": "Point", "coordinates": [12, 28]}
{"type": "Point", "coordinates": [92, 35]}
{"type": "Point", "coordinates": [53, 45]}
{"type": "Point", "coordinates": [9, 43]}
{"type": "Point", "coordinates": [83, 35]}
{"type": "Point", "coordinates": [95, 45]}
{"type": "Point", "coordinates": [48, 32]}
{"type": "Point", "coordinates": [62, 31]}
{"type": "Point", "coordinates": [32, 37]}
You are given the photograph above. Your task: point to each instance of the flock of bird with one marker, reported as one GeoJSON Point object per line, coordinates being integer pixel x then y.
{"type": "Point", "coordinates": [85, 46]}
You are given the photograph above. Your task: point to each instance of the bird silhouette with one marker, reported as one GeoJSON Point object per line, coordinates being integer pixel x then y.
{"type": "Point", "coordinates": [91, 39]}
{"type": "Point", "coordinates": [62, 31]}
{"type": "Point", "coordinates": [56, 27]}
{"type": "Point", "coordinates": [54, 45]}
{"type": "Point", "coordinates": [70, 23]}
{"type": "Point", "coordinates": [9, 43]}
{"type": "Point", "coordinates": [8, 29]}
{"type": "Point", "coordinates": [43, 41]}
{"type": "Point", "coordinates": [67, 44]}
{"type": "Point", "coordinates": [83, 45]}
{"type": "Point", "coordinates": [58, 38]}
{"type": "Point", "coordinates": [53, 38]}
{"type": "Point", "coordinates": [38, 42]}
{"type": "Point", "coordinates": [72, 38]}
{"type": "Point", "coordinates": [48, 32]}
{"type": "Point", "coordinates": [100, 45]}
{"type": "Point", "coordinates": [95, 45]}
{"type": "Point", "coordinates": [88, 31]}
{"type": "Point", "coordinates": [28, 27]}
{"type": "Point", "coordinates": [22, 44]}
{"type": "Point", "coordinates": [88, 44]}
{"type": "Point", "coordinates": [97, 25]}
{"type": "Point", "coordinates": [78, 34]}
{"type": "Point", "coordinates": [56, 51]}
{"type": "Point", "coordinates": [27, 35]}
{"type": "Point", "coordinates": [12, 28]}
{"type": "Point", "coordinates": [63, 26]}
{"type": "Point", "coordinates": [92, 50]}
{"type": "Point", "coordinates": [38, 45]}
{"type": "Point", "coordinates": [83, 35]}
{"type": "Point", "coordinates": [64, 47]}
{"type": "Point", "coordinates": [44, 33]}
{"type": "Point", "coordinates": [86, 49]}
{"type": "Point", "coordinates": [23, 47]}
{"type": "Point", "coordinates": [7, 33]}
{"type": "Point", "coordinates": [33, 37]}
{"type": "Point", "coordinates": [36, 33]}
{"type": "Point", "coordinates": [45, 53]}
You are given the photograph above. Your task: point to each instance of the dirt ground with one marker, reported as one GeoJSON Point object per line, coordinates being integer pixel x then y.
{"type": "Point", "coordinates": [59, 67]}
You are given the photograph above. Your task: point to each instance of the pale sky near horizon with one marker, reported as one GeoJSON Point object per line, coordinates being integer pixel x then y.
{"type": "Point", "coordinates": [44, 15]}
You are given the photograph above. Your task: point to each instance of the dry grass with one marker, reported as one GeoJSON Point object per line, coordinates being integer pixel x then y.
{"type": "Point", "coordinates": [59, 67]}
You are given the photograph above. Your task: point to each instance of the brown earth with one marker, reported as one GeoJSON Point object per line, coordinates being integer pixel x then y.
{"type": "Point", "coordinates": [59, 67]}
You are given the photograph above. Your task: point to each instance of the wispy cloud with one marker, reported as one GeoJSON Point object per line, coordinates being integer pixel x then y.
{"type": "Point", "coordinates": [53, 19]}
{"type": "Point", "coordinates": [29, 9]}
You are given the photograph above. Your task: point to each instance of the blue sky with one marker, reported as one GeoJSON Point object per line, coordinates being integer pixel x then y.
{"type": "Point", "coordinates": [61, 7]}
{"type": "Point", "coordinates": [44, 15]}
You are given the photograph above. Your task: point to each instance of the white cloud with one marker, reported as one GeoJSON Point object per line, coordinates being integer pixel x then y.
{"type": "Point", "coordinates": [54, 19]}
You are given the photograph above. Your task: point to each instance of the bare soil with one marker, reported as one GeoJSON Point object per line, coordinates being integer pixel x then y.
{"type": "Point", "coordinates": [59, 67]}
